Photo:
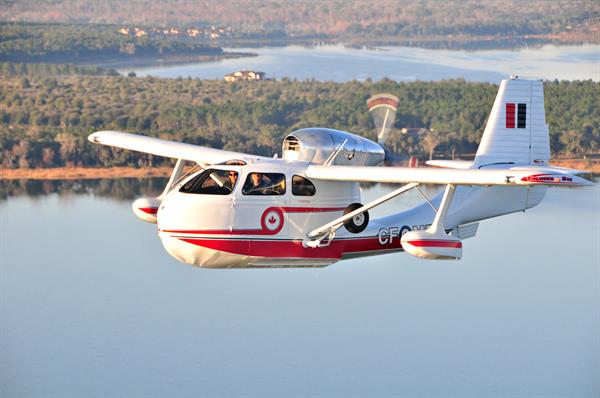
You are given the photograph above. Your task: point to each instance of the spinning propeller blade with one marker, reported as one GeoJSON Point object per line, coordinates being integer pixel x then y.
{"type": "Point", "coordinates": [382, 108]}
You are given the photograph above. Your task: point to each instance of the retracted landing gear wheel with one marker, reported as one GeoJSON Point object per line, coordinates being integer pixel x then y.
{"type": "Point", "coordinates": [359, 222]}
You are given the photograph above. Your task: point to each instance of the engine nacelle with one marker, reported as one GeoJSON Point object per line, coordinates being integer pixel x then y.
{"type": "Point", "coordinates": [433, 246]}
{"type": "Point", "coordinates": [146, 208]}
{"type": "Point", "coordinates": [316, 145]}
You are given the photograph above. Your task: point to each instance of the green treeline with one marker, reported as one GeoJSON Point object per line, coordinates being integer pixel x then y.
{"type": "Point", "coordinates": [28, 42]}
{"type": "Point", "coordinates": [44, 121]}
{"type": "Point", "coordinates": [17, 69]}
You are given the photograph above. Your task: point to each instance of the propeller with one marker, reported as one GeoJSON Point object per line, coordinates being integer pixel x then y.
{"type": "Point", "coordinates": [382, 108]}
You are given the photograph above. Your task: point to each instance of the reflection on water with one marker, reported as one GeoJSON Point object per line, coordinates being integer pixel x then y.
{"type": "Point", "coordinates": [119, 188]}
{"type": "Point", "coordinates": [92, 306]}
{"type": "Point", "coordinates": [132, 188]}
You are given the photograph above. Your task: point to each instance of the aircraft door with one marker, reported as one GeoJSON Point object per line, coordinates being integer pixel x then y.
{"type": "Point", "coordinates": [202, 203]}
{"type": "Point", "coordinates": [259, 210]}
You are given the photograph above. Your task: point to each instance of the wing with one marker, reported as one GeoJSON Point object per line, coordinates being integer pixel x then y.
{"type": "Point", "coordinates": [530, 175]}
{"type": "Point", "coordinates": [169, 149]}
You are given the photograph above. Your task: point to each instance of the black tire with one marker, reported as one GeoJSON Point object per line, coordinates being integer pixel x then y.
{"type": "Point", "coordinates": [357, 223]}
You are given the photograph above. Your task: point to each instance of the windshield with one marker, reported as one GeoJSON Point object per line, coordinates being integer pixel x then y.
{"type": "Point", "coordinates": [212, 182]}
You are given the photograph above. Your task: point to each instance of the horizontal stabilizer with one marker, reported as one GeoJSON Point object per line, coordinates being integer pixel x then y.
{"type": "Point", "coordinates": [165, 148]}
{"type": "Point", "coordinates": [465, 231]}
{"type": "Point", "coordinates": [450, 164]}
{"type": "Point", "coordinates": [514, 176]}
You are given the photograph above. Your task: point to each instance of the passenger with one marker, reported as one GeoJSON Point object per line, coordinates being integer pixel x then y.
{"type": "Point", "coordinates": [256, 186]}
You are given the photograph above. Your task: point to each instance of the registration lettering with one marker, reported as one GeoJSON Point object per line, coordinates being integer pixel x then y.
{"type": "Point", "coordinates": [390, 235]}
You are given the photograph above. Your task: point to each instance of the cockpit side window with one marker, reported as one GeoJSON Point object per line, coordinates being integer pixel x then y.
{"type": "Point", "coordinates": [264, 184]}
{"type": "Point", "coordinates": [212, 182]}
{"type": "Point", "coordinates": [302, 186]}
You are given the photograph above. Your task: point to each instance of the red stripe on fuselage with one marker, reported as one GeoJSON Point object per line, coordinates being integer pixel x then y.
{"type": "Point", "coordinates": [310, 209]}
{"type": "Point", "coordinates": [435, 243]}
{"type": "Point", "coordinates": [218, 231]}
{"type": "Point", "coordinates": [292, 249]}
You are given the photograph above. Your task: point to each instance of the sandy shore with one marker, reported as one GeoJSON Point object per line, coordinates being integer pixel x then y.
{"type": "Point", "coordinates": [74, 173]}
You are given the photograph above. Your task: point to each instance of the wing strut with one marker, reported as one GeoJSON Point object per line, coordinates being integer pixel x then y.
{"type": "Point", "coordinates": [322, 236]}
{"type": "Point", "coordinates": [438, 221]}
{"type": "Point", "coordinates": [426, 199]}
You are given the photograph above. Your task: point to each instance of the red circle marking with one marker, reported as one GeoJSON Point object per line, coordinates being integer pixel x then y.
{"type": "Point", "coordinates": [271, 220]}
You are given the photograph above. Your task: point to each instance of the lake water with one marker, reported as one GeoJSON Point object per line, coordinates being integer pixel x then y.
{"type": "Point", "coordinates": [92, 306]}
{"type": "Point", "coordinates": [337, 63]}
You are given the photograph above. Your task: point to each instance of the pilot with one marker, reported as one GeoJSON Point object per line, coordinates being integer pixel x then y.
{"type": "Point", "coordinates": [256, 186]}
{"type": "Point", "coordinates": [230, 183]}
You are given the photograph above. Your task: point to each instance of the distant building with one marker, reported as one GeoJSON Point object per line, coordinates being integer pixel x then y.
{"type": "Point", "coordinates": [140, 32]}
{"type": "Point", "coordinates": [245, 75]}
{"type": "Point", "coordinates": [414, 130]}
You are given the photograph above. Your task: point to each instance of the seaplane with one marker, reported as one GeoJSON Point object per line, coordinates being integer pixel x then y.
{"type": "Point", "coordinates": [304, 209]}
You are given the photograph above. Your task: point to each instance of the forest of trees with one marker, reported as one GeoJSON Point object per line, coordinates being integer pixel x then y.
{"type": "Point", "coordinates": [339, 18]}
{"type": "Point", "coordinates": [41, 69]}
{"type": "Point", "coordinates": [44, 121]}
{"type": "Point", "coordinates": [34, 42]}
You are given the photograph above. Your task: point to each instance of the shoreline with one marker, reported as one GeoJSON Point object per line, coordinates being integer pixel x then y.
{"type": "Point", "coordinates": [84, 173]}
{"type": "Point", "coordinates": [150, 62]}
{"type": "Point", "coordinates": [87, 173]}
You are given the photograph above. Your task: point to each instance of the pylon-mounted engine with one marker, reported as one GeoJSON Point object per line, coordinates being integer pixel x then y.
{"type": "Point", "coordinates": [335, 147]}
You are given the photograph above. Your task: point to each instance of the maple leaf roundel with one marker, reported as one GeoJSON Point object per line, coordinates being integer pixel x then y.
{"type": "Point", "coordinates": [272, 220]}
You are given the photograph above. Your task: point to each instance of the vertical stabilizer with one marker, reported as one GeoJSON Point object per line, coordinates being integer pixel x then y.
{"type": "Point", "coordinates": [516, 131]}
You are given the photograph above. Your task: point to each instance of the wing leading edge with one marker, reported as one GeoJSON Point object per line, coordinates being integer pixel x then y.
{"type": "Point", "coordinates": [165, 148]}
{"type": "Point", "coordinates": [530, 175]}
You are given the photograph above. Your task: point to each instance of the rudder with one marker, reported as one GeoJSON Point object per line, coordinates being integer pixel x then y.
{"type": "Point", "coordinates": [516, 131]}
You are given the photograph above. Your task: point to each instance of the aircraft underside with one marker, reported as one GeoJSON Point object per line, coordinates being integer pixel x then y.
{"type": "Point", "coordinates": [231, 252]}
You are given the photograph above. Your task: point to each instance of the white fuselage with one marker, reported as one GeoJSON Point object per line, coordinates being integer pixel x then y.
{"type": "Point", "coordinates": [239, 230]}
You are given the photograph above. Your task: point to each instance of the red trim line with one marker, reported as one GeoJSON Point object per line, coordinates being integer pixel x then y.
{"type": "Point", "coordinates": [149, 210]}
{"type": "Point", "coordinates": [435, 243]}
{"type": "Point", "coordinates": [217, 231]}
{"type": "Point", "coordinates": [310, 209]}
{"type": "Point", "coordinates": [292, 249]}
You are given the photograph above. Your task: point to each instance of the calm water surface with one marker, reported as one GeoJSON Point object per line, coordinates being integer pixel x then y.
{"type": "Point", "coordinates": [91, 306]}
{"type": "Point", "coordinates": [338, 63]}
